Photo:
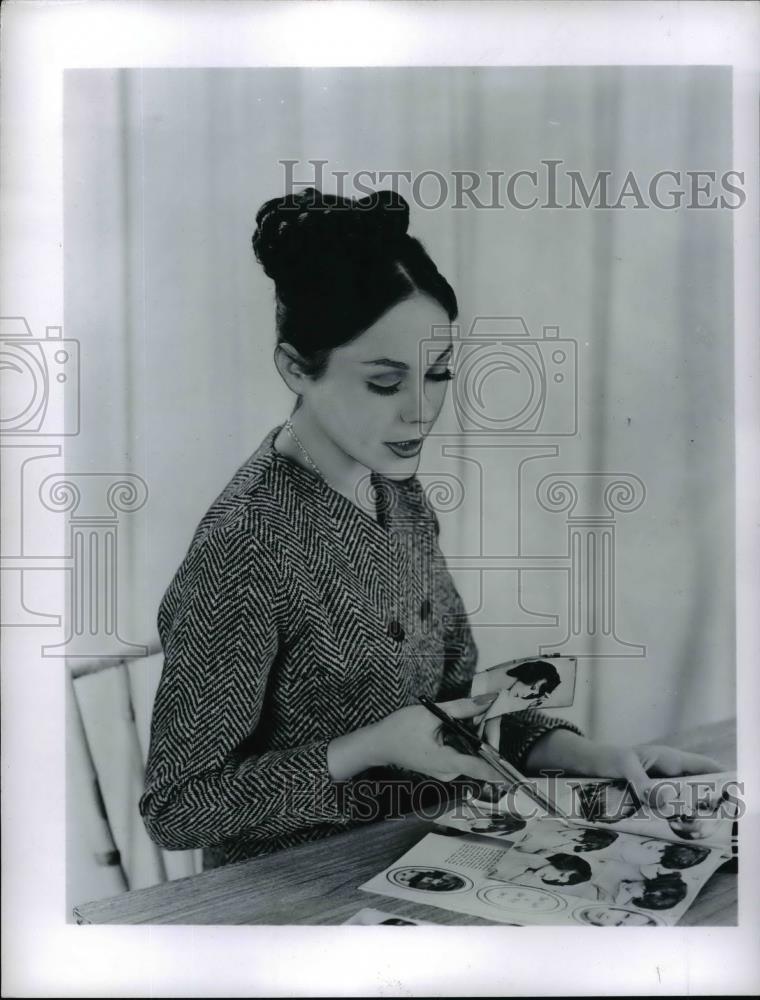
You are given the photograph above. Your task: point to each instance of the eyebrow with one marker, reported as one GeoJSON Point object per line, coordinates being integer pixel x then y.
{"type": "Point", "coordinates": [401, 365]}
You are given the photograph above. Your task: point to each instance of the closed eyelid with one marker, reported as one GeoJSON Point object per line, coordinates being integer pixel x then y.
{"type": "Point", "coordinates": [401, 375]}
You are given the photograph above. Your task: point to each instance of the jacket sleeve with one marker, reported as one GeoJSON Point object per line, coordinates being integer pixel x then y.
{"type": "Point", "coordinates": [219, 629]}
{"type": "Point", "coordinates": [519, 732]}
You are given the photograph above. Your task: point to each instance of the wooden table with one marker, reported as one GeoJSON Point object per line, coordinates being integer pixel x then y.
{"type": "Point", "coordinates": [317, 883]}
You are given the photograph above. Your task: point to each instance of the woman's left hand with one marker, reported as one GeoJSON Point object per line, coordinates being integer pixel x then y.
{"type": "Point", "coordinates": [640, 766]}
{"type": "Point", "coordinates": [667, 762]}
{"type": "Point", "coordinates": [642, 763]}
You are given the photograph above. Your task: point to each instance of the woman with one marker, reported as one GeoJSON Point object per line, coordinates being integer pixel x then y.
{"type": "Point", "coordinates": [647, 852]}
{"type": "Point", "coordinates": [533, 681]}
{"type": "Point", "coordinates": [529, 685]}
{"type": "Point", "coordinates": [430, 880]}
{"type": "Point", "coordinates": [661, 892]}
{"type": "Point", "coordinates": [558, 869]}
{"type": "Point", "coordinates": [548, 838]}
{"type": "Point", "coordinates": [301, 627]}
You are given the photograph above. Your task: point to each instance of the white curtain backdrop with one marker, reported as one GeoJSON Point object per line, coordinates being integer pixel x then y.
{"type": "Point", "coordinates": [164, 171]}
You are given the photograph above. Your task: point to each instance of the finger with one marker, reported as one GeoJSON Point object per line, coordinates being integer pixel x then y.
{"type": "Point", "coordinates": [633, 771]}
{"type": "Point", "coordinates": [697, 763]}
{"type": "Point", "coordinates": [669, 762]}
{"type": "Point", "coordinates": [466, 708]}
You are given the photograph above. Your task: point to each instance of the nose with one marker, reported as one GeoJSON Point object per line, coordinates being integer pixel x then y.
{"type": "Point", "coordinates": [420, 406]}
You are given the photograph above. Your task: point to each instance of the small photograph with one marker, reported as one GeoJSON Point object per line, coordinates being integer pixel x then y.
{"type": "Point", "coordinates": [469, 818]}
{"type": "Point", "coordinates": [701, 821]}
{"type": "Point", "coordinates": [429, 879]}
{"type": "Point", "coordinates": [369, 917]}
{"type": "Point", "coordinates": [613, 916]}
{"type": "Point", "coordinates": [692, 827]}
{"type": "Point", "coordinates": [661, 891]}
{"type": "Point", "coordinates": [560, 871]}
{"type": "Point", "coordinates": [606, 801]}
{"type": "Point", "coordinates": [648, 852]}
{"type": "Point", "coordinates": [709, 821]}
{"type": "Point", "coordinates": [551, 836]}
{"type": "Point", "coordinates": [530, 682]}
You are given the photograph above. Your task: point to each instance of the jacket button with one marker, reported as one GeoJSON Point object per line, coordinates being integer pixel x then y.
{"type": "Point", "coordinates": [425, 609]}
{"type": "Point", "coordinates": [395, 630]}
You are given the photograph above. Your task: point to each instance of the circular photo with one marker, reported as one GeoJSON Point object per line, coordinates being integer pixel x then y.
{"type": "Point", "coordinates": [522, 898]}
{"type": "Point", "coordinates": [429, 880]}
{"type": "Point", "coordinates": [613, 916]}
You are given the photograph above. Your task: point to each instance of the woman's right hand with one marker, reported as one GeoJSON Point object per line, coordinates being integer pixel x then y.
{"type": "Point", "coordinates": [412, 738]}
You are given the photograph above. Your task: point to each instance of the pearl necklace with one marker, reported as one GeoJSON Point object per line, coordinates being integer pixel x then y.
{"type": "Point", "coordinates": [289, 428]}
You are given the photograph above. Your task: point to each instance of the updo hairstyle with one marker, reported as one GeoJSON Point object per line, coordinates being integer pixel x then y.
{"type": "Point", "coordinates": [338, 265]}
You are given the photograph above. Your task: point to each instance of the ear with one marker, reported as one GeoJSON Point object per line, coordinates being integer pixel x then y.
{"type": "Point", "coordinates": [291, 367]}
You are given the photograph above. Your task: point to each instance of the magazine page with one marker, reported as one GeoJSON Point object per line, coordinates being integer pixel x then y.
{"type": "Point", "coordinates": [547, 881]}
{"type": "Point", "coordinates": [698, 809]}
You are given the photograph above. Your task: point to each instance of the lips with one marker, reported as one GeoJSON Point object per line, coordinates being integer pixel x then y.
{"type": "Point", "coordinates": [405, 449]}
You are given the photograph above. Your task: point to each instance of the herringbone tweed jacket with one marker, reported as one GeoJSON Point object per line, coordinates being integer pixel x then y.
{"type": "Point", "coordinates": [295, 617]}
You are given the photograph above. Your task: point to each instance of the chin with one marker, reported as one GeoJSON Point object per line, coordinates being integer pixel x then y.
{"type": "Point", "coordinates": [398, 468]}
{"type": "Point", "coordinates": [400, 474]}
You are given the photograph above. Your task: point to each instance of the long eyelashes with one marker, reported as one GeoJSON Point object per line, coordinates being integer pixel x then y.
{"type": "Point", "coordinates": [444, 376]}
{"type": "Point", "coordinates": [389, 390]}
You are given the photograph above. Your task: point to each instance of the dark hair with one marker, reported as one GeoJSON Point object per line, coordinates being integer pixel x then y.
{"type": "Point", "coordinates": [338, 265]}
{"type": "Point", "coordinates": [594, 801]}
{"type": "Point", "coordinates": [537, 670]}
{"type": "Point", "coordinates": [579, 867]}
{"type": "Point", "coordinates": [438, 881]}
{"type": "Point", "coordinates": [661, 892]}
{"type": "Point", "coordinates": [504, 822]}
{"type": "Point", "coordinates": [681, 856]}
{"type": "Point", "coordinates": [595, 840]}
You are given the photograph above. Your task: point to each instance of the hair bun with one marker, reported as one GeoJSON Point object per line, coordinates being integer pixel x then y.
{"type": "Point", "coordinates": [386, 214]}
{"type": "Point", "coordinates": [302, 234]}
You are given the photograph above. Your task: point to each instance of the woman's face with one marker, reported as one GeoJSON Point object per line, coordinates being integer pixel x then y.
{"type": "Point", "coordinates": [385, 388]}
{"type": "Point", "coordinates": [528, 692]}
{"type": "Point", "coordinates": [643, 852]}
{"type": "Point", "coordinates": [555, 876]}
{"type": "Point", "coordinates": [612, 917]}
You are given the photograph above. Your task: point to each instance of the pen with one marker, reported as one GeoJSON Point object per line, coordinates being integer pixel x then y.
{"type": "Point", "coordinates": [487, 753]}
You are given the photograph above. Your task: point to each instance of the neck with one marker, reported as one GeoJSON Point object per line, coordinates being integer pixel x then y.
{"type": "Point", "coordinates": [338, 470]}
